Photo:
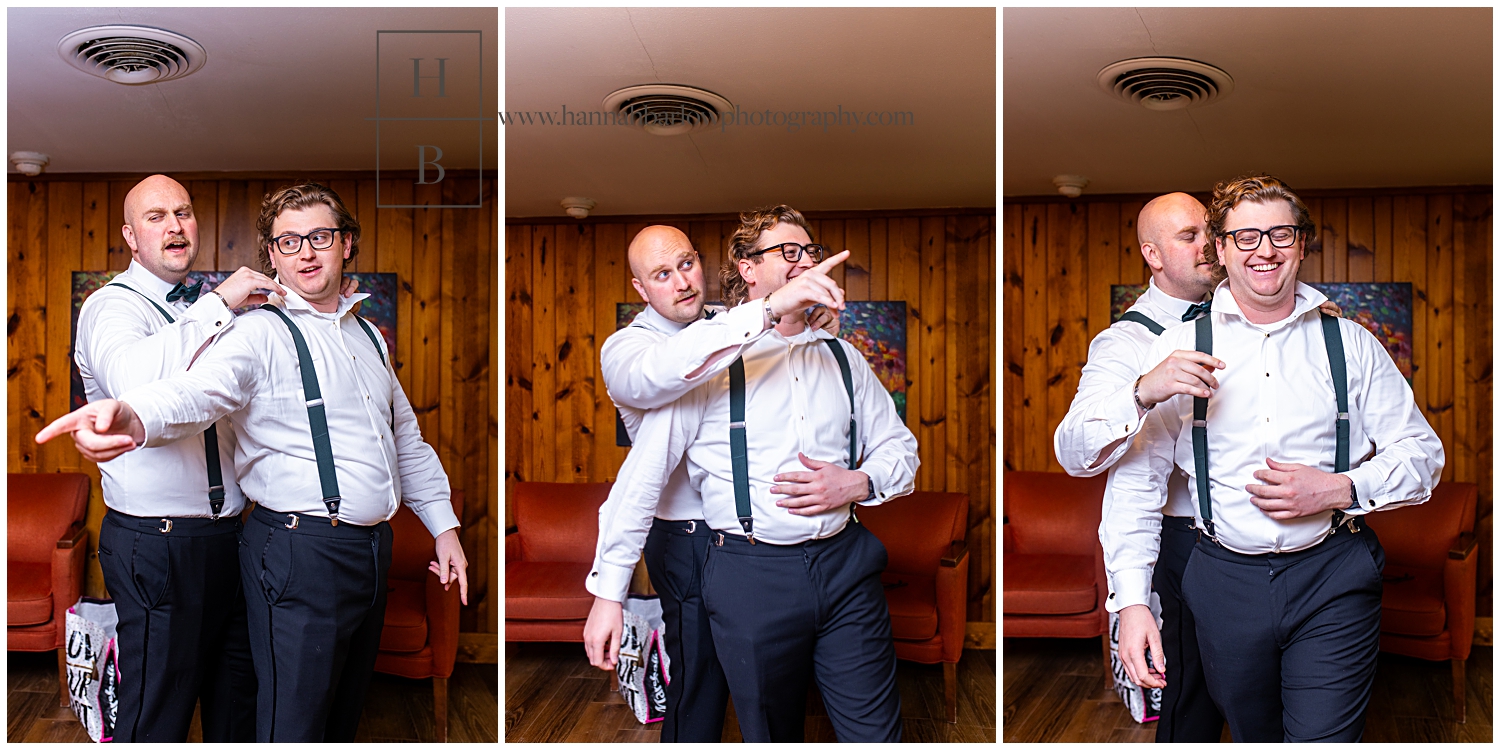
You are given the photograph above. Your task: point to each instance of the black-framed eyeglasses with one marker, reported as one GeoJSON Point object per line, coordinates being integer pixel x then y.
{"type": "Point", "coordinates": [291, 244]}
{"type": "Point", "coordinates": [1249, 239]}
{"type": "Point", "coordinates": [793, 251]}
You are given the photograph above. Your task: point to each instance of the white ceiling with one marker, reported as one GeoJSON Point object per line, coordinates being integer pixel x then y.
{"type": "Point", "coordinates": [316, 64]}
{"type": "Point", "coordinates": [1323, 98]}
{"type": "Point", "coordinates": [938, 64]}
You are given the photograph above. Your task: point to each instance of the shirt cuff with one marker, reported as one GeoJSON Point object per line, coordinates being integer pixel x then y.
{"type": "Point", "coordinates": [210, 309]}
{"type": "Point", "coordinates": [437, 517]}
{"type": "Point", "coordinates": [1130, 587]}
{"type": "Point", "coordinates": [1367, 486]}
{"type": "Point", "coordinates": [608, 581]}
{"type": "Point", "coordinates": [748, 320]}
{"type": "Point", "coordinates": [1121, 421]}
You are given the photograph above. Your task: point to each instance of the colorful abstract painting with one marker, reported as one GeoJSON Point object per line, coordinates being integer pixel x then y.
{"type": "Point", "coordinates": [379, 308]}
{"type": "Point", "coordinates": [876, 329]}
{"type": "Point", "coordinates": [1384, 309]}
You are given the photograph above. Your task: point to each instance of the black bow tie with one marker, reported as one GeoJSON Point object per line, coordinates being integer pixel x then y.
{"type": "Point", "coordinates": [1193, 311]}
{"type": "Point", "coordinates": [182, 291]}
{"type": "Point", "coordinates": [709, 314]}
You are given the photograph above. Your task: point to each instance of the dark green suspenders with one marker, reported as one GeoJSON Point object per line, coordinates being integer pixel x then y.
{"type": "Point", "coordinates": [739, 453]}
{"type": "Point", "coordinates": [210, 435]}
{"type": "Point", "coordinates": [1135, 317]}
{"type": "Point", "coordinates": [1333, 341]}
{"type": "Point", "coordinates": [317, 418]}
{"type": "Point", "coordinates": [373, 338]}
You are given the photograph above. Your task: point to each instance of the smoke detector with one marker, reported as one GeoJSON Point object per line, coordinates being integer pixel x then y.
{"type": "Point", "coordinates": [132, 55]}
{"type": "Point", "coordinates": [1163, 83]}
{"type": "Point", "coordinates": [1071, 185]}
{"type": "Point", "coordinates": [578, 208]}
{"type": "Point", "coordinates": [29, 163]}
{"type": "Point", "coordinates": [667, 109]}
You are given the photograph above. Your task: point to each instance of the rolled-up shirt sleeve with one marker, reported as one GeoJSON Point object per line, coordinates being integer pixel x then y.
{"type": "Point", "coordinates": [1409, 457]}
{"type": "Point", "coordinates": [626, 515]}
{"type": "Point", "coordinates": [1103, 411]}
{"type": "Point", "coordinates": [644, 369]}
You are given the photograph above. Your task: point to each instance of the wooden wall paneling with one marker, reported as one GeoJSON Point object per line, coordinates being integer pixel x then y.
{"type": "Point", "coordinates": [119, 252]}
{"type": "Point", "coordinates": [1103, 263]}
{"type": "Point", "coordinates": [903, 280]}
{"type": "Point", "coordinates": [1384, 238]}
{"type": "Point", "coordinates": [932, 439]}
{"type": "Point", "coordinates": [1361, 240]}
{"type": "Point", "coordinates": [1034, 444]}
{"type": "Point", "coordinates": [238, 207]}
{"type": "Point", "coordinates": [453, 294]}
{"type": "Point", "coordinates": [368, 259]}
{"type": "Point", "coordinates": [395, 257]}
{"type": "Point", "coordinates": [1410, 262]}
{"type": "Point", "coordinates": [20, 266]}
{"type": "Point", "coordinates": [205, 195]}
{"type": "Point", "coordinates": [705, 238]}
{"type": "Point", "coordinates": [64, 250]}
{"type": "Point", "coordinates": [1483, 347]}
{"type": "Point", "coordinates": [348, 192]}
{"type": "Point", "coordinates": [426, 290]}
{"type": "Point", "coordinates": [876, 262]}
{"type": "Point", "coordinates": [628, 292]}
{"type": "Point", "coordinates": [519, 409]}
{"type": "Point", "coordinates": [1067, 308]}
{"type": "Point", "coordinates": [1439, 341]}
{"type": "Point", "coordinates": [544, 350]}
{"type": "Point", "coordinates": [31, 326]}
{"type": "Point", "coordinates": [1133, 268]}
{"type": "Point", "coordinates": [609, 279]}
{"type": "Point", "coordinates": [966, 340]}
{"type": "Point", "coordinates": [983, 534]}
{"type": "Point", "coordinates": [96, 227]}
{"type": "Point", "coordinates": [1311, 270]}
{"type": "Point", "coordinates": [831, 235]}
{"type": "Point", "coordinates": [490, 295]}
{"type": "Point", "coordinates": [955, 454]}
{"type": "Point", "coordinates": [1013, 352]}
{"type": "Point", "coordinates": [1336, 244]}
{"type": "Point", "coordinates": [567, 345]}
{"type": "Point", "coordinates": [857, 268]}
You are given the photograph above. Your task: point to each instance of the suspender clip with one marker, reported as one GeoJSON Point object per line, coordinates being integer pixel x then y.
{"type": "Point", "coordinates": [166, 526]}
{"type": "Point", "coordinates": [333, 508]}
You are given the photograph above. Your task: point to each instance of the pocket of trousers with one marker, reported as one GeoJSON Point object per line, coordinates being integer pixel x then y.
{"type": "Point", "coordinates": [276, 566]}
{"type": "Point", "coordinates": [150, 569]}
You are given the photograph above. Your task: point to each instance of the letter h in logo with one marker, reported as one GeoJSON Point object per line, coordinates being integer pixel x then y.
{"type": "Point", "coordinates": [430, 119]}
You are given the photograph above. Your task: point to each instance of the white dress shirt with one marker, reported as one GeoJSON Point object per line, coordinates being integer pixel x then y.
{"type": "Point", "coordinates": [1275, 400]}
{"type": "Point", "coordinates": [794, 401]}
{"type": "Point", "coordinates": [124, 342]}
{"type": "Point", "coordinates": [251, 375]}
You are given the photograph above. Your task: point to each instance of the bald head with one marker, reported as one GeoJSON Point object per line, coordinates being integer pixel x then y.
{"type": "Point", "coordinates": [160, 227]}
{"type": "Point", "coordinates": [1174, 236]}
{"type": "Point", "coordinates": [668, 274]}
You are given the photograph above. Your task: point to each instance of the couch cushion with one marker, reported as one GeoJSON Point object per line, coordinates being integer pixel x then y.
{"type": "Point", "coordinates": [1412, 603]}
{"type": "Point", "coordinates": [547, 591]}
{"type": "Point", "coordinates": [405, 628]}
{"type": "Point", "coordinates": [29, 595]}
{"type": "Point", "coordinates": [1049, 584]}
{"type": "Point", "coordinates": [913, 604]}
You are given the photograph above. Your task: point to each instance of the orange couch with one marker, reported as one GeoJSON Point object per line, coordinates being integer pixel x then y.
{"type": "Point", "coordinates": [548, 554]}
{"type": "Point", "coordinates": [46, 546]}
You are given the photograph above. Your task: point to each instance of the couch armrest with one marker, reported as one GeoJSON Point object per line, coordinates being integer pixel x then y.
{"type": "Point", "coordinates": [442, 625]}
{"type": "Point", "coordinates": [67, 578]}
{"type": "Point", "coordinates": [512, 545]}
{"type": "Point", "coordinates": [956, 553]}
{"type": "Point", "coordinates": [1458, 597]}
{"type": "Point", "coordinates": [75, 536]}
{"type": "Point", "coordinates": [1463, 547]}
{"type": "Point", "coordinates": [952, 586]}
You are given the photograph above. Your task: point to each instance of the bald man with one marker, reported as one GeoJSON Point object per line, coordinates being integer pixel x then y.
{"type": "Point", "coordinates": [167, 545]}
{"type": "Point", "coordinates": [666, 351]}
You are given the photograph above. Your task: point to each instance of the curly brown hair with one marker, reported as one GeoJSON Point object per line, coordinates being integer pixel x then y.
{"type": "Point", "coordinates": [1256, 188]}
{"type": "Point", "coordinates": [297, 197]}
{"type": "Point", "coordinates": [752, 224]}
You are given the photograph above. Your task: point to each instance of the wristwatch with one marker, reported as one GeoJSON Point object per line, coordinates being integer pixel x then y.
{"type": "Point", "coordinates": [773, 319]}
{"type": "Point", "coordinates": [870, 485]}
{"type": "Point", "coordinates": [1353, 496]}
{"type": "Point", "coordinates": [1136, 393]}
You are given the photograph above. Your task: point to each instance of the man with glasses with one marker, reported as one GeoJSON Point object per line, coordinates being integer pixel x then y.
{"type": "Point", "coordinates": [791, 585]}
{"type": "Point", "coordinates": [1310, 426]}
{"type": "Point", "coordinates": [328, 446]}
{"type": "Point", "coordinates": [665, 352]}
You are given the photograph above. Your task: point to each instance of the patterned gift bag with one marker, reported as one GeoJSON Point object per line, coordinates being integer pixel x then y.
{"type": "Point", "coordinates": [93, 666]}
{"type": "Point", "coordinates": [1144, 703]}
{"type": "Point", "coordinates": [642, 670]}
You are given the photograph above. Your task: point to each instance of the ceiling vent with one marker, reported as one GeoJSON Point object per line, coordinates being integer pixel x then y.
{"type": "Point", "coordinates": [667, 109]}
{"type": "Point", "coordinates": [132, 55]}
{"type": "Point", "coordinates": [1165, 82]}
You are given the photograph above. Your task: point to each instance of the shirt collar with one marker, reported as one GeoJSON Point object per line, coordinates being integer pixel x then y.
{"type": "Point", "coordinates": [146, 281]}
{"type": "Point", "coordinates": [1307, 297]}
{"type": "Point", "coordinates": [1166, 302]}
{"type": "Point", "coordinates": [658, 322]}
{"type": "Point", "coordinates": [293, 301]}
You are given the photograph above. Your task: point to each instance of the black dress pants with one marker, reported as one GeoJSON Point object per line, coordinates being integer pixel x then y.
{"type": "Point", "coordinates": [697, 694]}
{"type": "Point", "coordinates": [783, 614]}
{"type": "Point", "coordinates": [315, 595]}
{"type": "Point", "coordinates": [1188, 713]}
{"type": "Point", "coordinates": [182, 631]}
{"type": "Point", "coordinates": [1290, 639]}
